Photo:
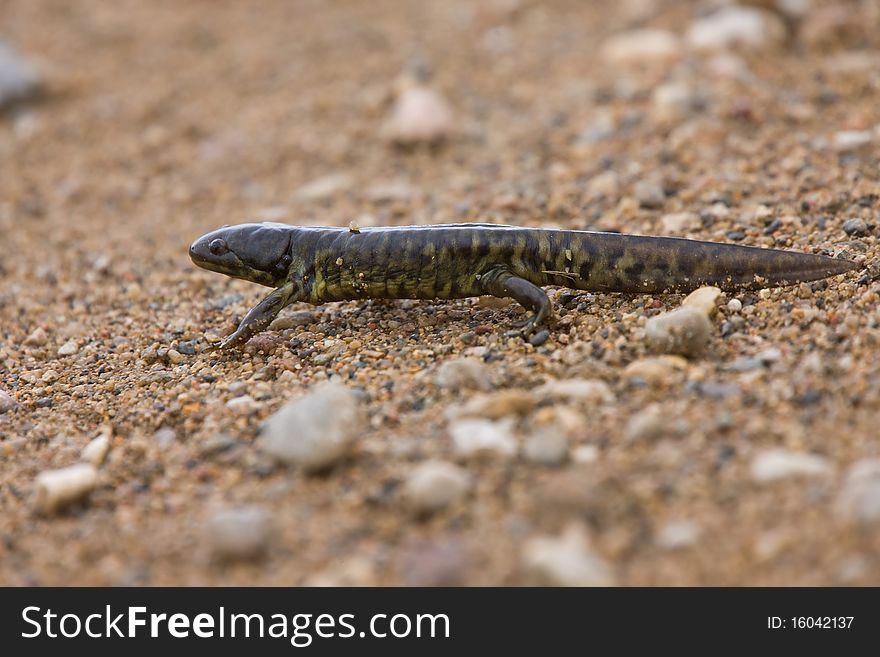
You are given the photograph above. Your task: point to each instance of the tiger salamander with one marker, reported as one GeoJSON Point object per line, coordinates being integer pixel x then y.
{"type": "Point", "coordinates": [452, 261]}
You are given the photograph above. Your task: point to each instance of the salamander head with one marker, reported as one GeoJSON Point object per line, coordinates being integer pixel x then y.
{"type": "Point", "coordinates": [253, 252]}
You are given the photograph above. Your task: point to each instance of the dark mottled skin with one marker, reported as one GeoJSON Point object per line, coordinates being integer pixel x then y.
{"type": "Point", "coordinates": [453, 261]}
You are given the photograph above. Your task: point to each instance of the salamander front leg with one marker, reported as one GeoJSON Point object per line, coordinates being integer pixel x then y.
{"type": "Point", "coordinates": [529, 295]}
{"type": "Point", "coordinates": [260, 316]}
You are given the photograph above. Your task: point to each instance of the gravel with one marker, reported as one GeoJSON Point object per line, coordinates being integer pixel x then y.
{"type": "Point", "coordinates": [104, 186]}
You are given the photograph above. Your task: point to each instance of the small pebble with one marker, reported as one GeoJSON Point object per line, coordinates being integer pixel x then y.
{"type": "Point", "coordinates": [96, 451]}
{"type": "Point", "coordinates": [736, 26]}
{"type": "Point", "coordinates": [679, 222]}
{"type": "Point", "coordinates": [657, 370]}
{"type": "Point", "coordinates": [54, 490]}
{"type": "Point", "coordinates": [68, 348]}
{"type": "Point", "coordinates": [585, 454]}
{"type": "Point", "coordinates": [314, 431]}
{"type": "Point", "coordinates": [651, 424]}
{"type": "Point", "coordinates": [497, 405]}
{"type": "Point", "coordinates": [859, 497]}
{"type": "Point", "coordinates": [678, 534]}
{"type": "Point", "coordinates": [420, 115]}
{"type": "Point", "coordinates": [7, 402]}
{"type": "Point", "coordinates": [646, 47]}
{"type": "Point", "coordinates": [703, 299]}
{"type": "Point", "coordinates": [243, 405]}
{"type": "Point", "coordinates": [174, 356]}
{"type": "Point", "coordinates": [539, 338]}
{"type": "Point", "coordinates": [37, 338]}
{"type": "Point", "coordinates": [239, 533]}
{"type": "Point", "coordinates": [775, 464]}
{"type": "Point", "coordinates": [566, 560]}
{"type": "Point", "coordinates": [18, 80]}
{"type": "Point", "coordinates": [684, 331]}
{"type": "Point", "coordinates": [463, 373]}
{"type": "Point", "coordinates": [856, 227]}
{"type": "Point", "coordinates": [670, 102]}
{"type": "Point", "coordinates": [592, 391]}
{"type": "Point", "coordinates": [434, 484]}
{"type": "Point", "coordinates": [649, 193]}
{"type": "Point", "coordinates": [546, 447]}
{"type": "Point", "coordinates": [475, 438]}
{"type": "Point", "coordinates": [734, 305]}
{"type": "Point", "coordinates": [851, 140]}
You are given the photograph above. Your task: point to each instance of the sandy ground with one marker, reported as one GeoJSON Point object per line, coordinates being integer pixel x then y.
{"type": "Point", "coordinates": [163, 120]}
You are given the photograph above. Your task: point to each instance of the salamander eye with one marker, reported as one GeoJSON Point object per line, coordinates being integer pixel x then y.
{"type": "Point", "coordinates": [218, 247]}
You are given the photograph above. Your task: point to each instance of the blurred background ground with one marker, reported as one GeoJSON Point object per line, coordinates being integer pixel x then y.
{"type": "Point", "coordinates": [130, 128]}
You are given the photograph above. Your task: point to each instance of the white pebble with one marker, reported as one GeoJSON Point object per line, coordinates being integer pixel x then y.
{"type": "Point", "coordinates": [315, 431]}
{"type": "Point", "coordinates": [56, 489]}
{"type": "Point", "coordinates": [463, 373]}
{"type": "Point", "coordinates": [736, 26]}
{"type": "Point", "coordinates": [419, 115]}
{"type": "Point", "coordinates": [68, 348]}
{"type": "Point", "coordinates": [683, 331]}
{"type": "Point", "coordinates": [567, 560]}
{"type": "Point", "coordinates": [734, 305]}
{"type": "Point", "coordinates": [850, 140]}
{"type": "Point", "coordinates": [593, 391]}
{"type": "Point", "coordinates": [642, 47]}
{"type": "Point", "coordinates": [478, 437]}
{"type": "Point", "coordinates": [96, 451]}
{"type": "Point", "coordinates": [776, 464]}
{"type": "Point", "coordinates": [859, 497]}
{"type": "Point", "coordinates": [703, 299]}
{"type": "Point", "coordinates": [672, 101]}
{"type": "Point", "coordinates": [434, 484]}
{"type": "Point", "coordinates": [18, 80]}
{"type": "Point", "coordinates": [547, 447]}
{"type": "Point", "coordinates": [678, 534]}
{"type": "Point", "coordinates": [585, 454]}
{"type": "Point", "coordinates": [239, 532]}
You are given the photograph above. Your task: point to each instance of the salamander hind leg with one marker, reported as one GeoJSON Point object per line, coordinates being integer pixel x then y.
{"type": "Point", "coordinates": [502, 283]}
